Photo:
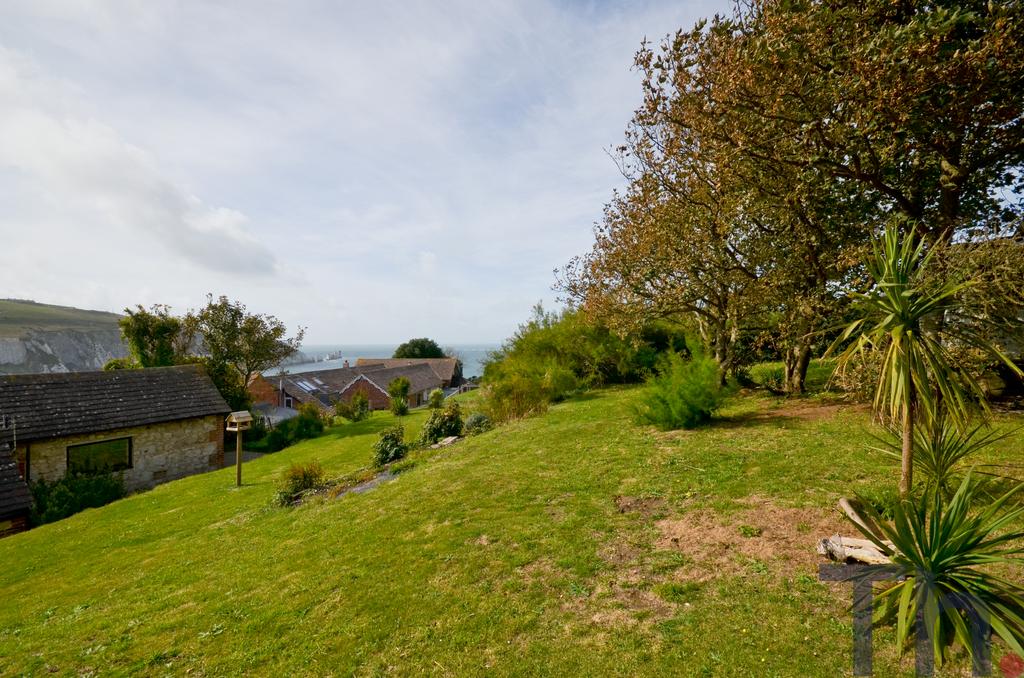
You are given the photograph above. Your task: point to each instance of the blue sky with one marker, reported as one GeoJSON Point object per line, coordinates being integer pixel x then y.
{"type": "Point", "coordinates": [372, 171]}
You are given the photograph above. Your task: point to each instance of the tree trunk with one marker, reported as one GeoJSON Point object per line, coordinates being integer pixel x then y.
{"type": "Point", "coordinates": [907, 460]}
{"type": "Point", "coordinates": [798, 359]}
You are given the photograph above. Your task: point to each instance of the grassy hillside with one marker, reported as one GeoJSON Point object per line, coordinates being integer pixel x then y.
{"type": "Point", "coordinates": [571, 544]}
{"type": "Point", "coordinates": [17, 316]}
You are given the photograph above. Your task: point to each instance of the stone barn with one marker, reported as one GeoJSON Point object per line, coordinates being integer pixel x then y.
{"type": "Point", "coordinates": [152, 425]}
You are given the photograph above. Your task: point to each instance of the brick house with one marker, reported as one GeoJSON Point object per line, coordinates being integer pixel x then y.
{"type": "Point", "coordinates": [325, 387]}
{"type": "Point", "coordinates": [448, 370]}
{"type": "Point", "coordinates": [15, 499]}
{"type": "Point", "coordinates": [151, 425]}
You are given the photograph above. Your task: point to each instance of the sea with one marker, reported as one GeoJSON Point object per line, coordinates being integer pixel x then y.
{"type": "Point", "coordinates": [331, 356]}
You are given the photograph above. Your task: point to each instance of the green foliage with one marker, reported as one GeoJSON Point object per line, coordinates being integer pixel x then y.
{"type": "Point", "coordinates": [120, 364]}
{"type": "Point", "coordinates": [591, 352]}
{"type": "Point", "coordinates": [917, 370]}
{"type": "Point", "coordinates": [940, 544]}
{"type": "Point", "coordinates": [419, 348]}
{"type": "Point", "coordinates": [769, 376]}
{"type": "Point", "coordinates": [343, 409]}
{"type": "Point", "coordinates": [309, 424]}
{"type": "Point", "coordinates": [917, 367]}
{"type": "Point", "coordinates": [297, 479]}
{"type": "Point", "coordinates": [73, 493]}
{"type": "Point", "coordinates": [442, 423]}
{"type": "Point", "coordinates": [554, 355]}
{"type": "Point", "coordinates": [155, 338]}
{"type": "Point", "coordinates": [247, 342]}
{"type": "Point", "coordinates": [436, 399]}
{"type": "Point", "coordinates": [399, 406]}
{"type": "Point", "coordinates": [399, 388]}
{"type": "Point", "coordinates": [478, 423]}
{"type": "Point", "coordinates": [360, 406]}
{"type": "Point", "coordinates": [390, 446]}
{"type": "Point", "coordinates": [227, 380]}
{"type": "Point", "coordinates": [941, 450]}
{"type": "Point", "coordinates": [515, 396]}
{"type": "Point", "coordinates": [685, 394]}
{"type": "Point", "coordinates": [355, 410]}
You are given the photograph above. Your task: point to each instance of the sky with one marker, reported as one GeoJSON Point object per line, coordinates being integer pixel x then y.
{"type": "Point", "coordinates": [371, 171]}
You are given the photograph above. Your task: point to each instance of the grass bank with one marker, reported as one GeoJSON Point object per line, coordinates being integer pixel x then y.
{"type": "Point", "coordinates": [576, 543]}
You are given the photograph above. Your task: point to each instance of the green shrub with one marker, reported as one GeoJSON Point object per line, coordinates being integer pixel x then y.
{"type": "Point", "coordinates": [514, 397]}
{"type": "Point", "coordinates": [390, 446]}
{"type": "Point", "coordinates": [299, 478]}
{"type": "Point", "coordinates": [309, 424]}
{"type": "Point", "coordinates": [941, 449]}
{"type": "Point", "coordinates": [343, 409]}
{"type": "Point", "coordinates": [399, 406]}
{"type": "Point", "coordinates": [770, 376]}
{"type": "Point", "coordinates": [360, 407]}
{"type": "Point", "coordinates": [73, 493]}
{"type": "Point", "coordinates": [940, 544]}
{"type": "Point", "coordinates": [442, 424]}
{"type": "Point", "coordinates": [477, 423]}
{"type": "Point", "coordinates": [436, 399]}
{"type": "Point", "coordinates": [684, 395]}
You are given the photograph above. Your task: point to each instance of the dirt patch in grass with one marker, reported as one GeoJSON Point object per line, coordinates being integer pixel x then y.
{"type": "Point", "coordinates": [812, 411]}
{"type": "Point", "coordinates": [645, 506]}
{"type": "Point", "coordinates": [759, 539]}
{"type": "Point", "coordinates": [620, 553]}
{"type": "Point", "coordinates": [619, 604]}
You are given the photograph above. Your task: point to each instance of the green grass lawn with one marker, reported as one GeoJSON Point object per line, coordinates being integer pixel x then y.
{"type": "Point", "coordinates": [576, 543]}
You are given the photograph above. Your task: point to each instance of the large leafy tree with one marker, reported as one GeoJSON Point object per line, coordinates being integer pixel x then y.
{"type": "Point", "coordinates": [247, 342]}
{"type": "Point", "coordinates": [155, 338]}
{"type": "Point", "coordinates": [230, 343]}
{"type": "Point", "coordinates": [419, 348]}
{"type": "Point", "coordinates": [784, 137]}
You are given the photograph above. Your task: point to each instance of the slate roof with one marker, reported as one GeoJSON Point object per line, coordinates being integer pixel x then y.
{"type": "Point", "coordinates": [444, 368]}
{"type": "Point", "coordinates": [15, 499]}
{"type": "Point", "coordinates": [326, 385]}
{"type": "Point", "coordinates": [421, 376]}
{"type": "Point", "coordinates": [56, 405]}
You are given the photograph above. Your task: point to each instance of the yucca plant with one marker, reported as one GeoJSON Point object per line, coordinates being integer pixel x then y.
{"type": "Point", "coordinates": [946, 552]}
{"type": "Point", "coordinates": [918, 373]}
{"type": "Point", "coordinates": [941, 450]}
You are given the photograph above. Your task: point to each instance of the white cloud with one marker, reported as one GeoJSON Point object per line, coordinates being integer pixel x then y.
{"type": "Point", "coordinates": [318, 161]}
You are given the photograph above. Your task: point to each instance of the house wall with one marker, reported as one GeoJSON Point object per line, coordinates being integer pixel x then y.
{"type": "Point", "coordinates": [160, 452]}
{"type": "Point", "coordinates": [263, 391]}
{"type": "Point", "coordinates": [378, 400]}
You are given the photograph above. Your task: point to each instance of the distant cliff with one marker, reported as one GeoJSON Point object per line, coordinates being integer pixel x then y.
{"type": "Point", "coordinates": [44, 338]}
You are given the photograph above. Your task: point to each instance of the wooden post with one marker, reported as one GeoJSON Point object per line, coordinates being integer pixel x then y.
{"type": "Point", "coordinates": [238, 458]}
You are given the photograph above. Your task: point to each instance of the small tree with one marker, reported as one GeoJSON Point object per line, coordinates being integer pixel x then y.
{"type": "Point", "coordinates": [398, 389]}
{"type": "Point", "coordinates": [436, 399]}
{"type": "Point", "coordinates": [360, 406]}
{"type": "Point", "coordinates": [248, 342]}
{"type": "Point", "coordinates": [419, 348]}
{"type": "Point", "coordinates": [155, 338]}
{"type": "Point", "coordinates": [918, 375]}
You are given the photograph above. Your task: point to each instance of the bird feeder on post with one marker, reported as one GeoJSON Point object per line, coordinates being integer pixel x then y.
{"type": "Point", "coordinates": [238, 422]}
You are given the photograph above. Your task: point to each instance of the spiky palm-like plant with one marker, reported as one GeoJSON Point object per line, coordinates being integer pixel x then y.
{"type": "Point", "coordinates": [946, 553]}
{"type": "Point", "coordinates": [918, 375]}
{"type": "Point", "coordinates": [941, 449]}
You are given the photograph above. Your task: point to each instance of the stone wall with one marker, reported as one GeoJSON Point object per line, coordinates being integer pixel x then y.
{"type": "Point", "coordinates": [160, 452]}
